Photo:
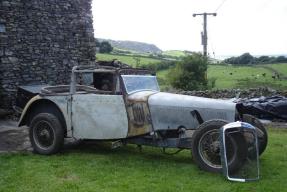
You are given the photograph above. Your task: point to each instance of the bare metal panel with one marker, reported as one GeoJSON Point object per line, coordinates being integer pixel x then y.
{"type": "Point", "coordinates": [171, 111]}
{"type": "Point", "coordinates": [99, 116]}
{"type": "Point", "coordinates": [63, 102]}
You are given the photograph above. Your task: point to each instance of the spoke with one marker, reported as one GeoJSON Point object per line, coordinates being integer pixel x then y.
{"type": "Point", "coordinates": [44, 134]}
{"type": "Point", "coordinates": [208, 151]}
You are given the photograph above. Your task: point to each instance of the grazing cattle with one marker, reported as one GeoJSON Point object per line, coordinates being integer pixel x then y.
{"type": "Point", "coordinates": [275, 75]}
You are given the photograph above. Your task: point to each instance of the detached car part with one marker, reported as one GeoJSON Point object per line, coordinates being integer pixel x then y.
{"type": "Point", "coordinates": [247, 168]}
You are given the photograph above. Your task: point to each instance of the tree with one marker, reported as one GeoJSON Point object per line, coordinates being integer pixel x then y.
{"type": "Point", "coordinates": [246, 58]}
{"type": "Point", "coordinates": [105, 47]}
{"type": "Point", "coordinates": [281, 59]}
{"type": "Point", "coordinates": [243, 59]}
{"type": "Point", "coordinates": [98, 43]}
{"type": "Point", "coordinates": [190, 73]}
{"type": "Point", "coordinates": [263, 59]}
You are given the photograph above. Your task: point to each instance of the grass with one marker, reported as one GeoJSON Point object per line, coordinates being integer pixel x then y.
{"type": "Point", "coordinates": [243, 77]}
{"type": "Point", "coordinates": [174, 53]}
{"type": "Point", "coordinates": [99, 168]}
{"type": "Point", "coordinates": [227, 76]}
{"type": "Point", "coordinates": [128, 59]}
{"type": "Point", "coordinates": [281, 68]}
{"type": "Point", "coordinates": [162, 79]}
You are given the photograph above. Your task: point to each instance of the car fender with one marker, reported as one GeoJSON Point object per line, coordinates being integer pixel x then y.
{"type": "Point", "coordinates": [59, 106]}
{"type": "Point", "coordinates": [21, 122]}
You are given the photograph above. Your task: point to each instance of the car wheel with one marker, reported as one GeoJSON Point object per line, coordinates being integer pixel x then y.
{"type": "Point", "coordinates": [206, 147]}
{"type": "Point", "coordinates": [261, 130]}
{"type": "Point", "coordinates": [46, 134]}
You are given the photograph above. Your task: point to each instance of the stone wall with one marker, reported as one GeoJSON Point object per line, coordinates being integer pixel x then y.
{"type": "Point", "coordinates": [232, 93]}
{"type": "Point", "coordinates": [41, 40]}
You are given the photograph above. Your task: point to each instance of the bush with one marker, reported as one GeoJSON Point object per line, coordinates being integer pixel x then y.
{"type": "Point", "coordinates": [190, 73]}
{"type": "Point", "coordinates": [211, 83]}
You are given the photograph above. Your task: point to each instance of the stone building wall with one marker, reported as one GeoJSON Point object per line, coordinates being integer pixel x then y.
{"type": "Point", "coordinates": [40, 41]}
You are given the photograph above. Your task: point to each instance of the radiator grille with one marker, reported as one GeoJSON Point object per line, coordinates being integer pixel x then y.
{"type": "Point", "coordinates": [138, 113]}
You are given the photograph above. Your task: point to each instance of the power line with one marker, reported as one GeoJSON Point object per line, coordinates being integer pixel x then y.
{"type": "Point", "coordinates": [220, 5]}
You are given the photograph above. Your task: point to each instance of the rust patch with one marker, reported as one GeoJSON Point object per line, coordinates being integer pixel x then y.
{"type": "Point", "coordinates": [139, 118]}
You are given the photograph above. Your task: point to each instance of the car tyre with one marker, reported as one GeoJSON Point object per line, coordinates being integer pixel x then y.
{"type": "Point", "coordinates": [261, 131]}
{"type": "Point", "coordinates": [46, 134]}
{"type": "Point", "coordinates": [206, 147]}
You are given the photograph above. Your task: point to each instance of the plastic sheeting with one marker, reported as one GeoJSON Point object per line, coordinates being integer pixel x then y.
{"type": "Point", "coordinates": [264, 107]}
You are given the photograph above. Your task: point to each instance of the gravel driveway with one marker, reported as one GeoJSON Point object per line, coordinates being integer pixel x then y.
{"type": "Point", "coordinates": [13, 138]}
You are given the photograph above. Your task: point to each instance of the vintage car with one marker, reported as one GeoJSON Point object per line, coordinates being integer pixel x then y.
{"type": "Point", "coordinates": [125, 105]}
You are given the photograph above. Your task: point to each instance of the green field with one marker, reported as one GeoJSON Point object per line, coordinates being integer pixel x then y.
{"type": "Point", "coordinates": [99, 168]}
{"type": "Point", "coordinates": [174, 53]}
{"type": "Point", "coordinates": [244, 77]}
{"type": "Point", "coordinates": [227, 76]}
{"type": "Point", "coordinates": [281, 68]}
{"type": "Point", "coordinates": [128, 59]}
{"type": "Point", "coordinates": [247, 76]}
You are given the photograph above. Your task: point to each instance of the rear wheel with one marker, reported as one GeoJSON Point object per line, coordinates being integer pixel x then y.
{"type": "Point", "coordinates": [46, 134]}
{"type": "Point", "coordinates": [206, 147]}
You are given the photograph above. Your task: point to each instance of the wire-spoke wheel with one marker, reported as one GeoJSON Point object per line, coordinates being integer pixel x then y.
{"type": "Point", "coordinates": [209, 149]}
{"type": "Point", "coordinates": [206, 147]}
{"type": "Point", "coordinates": [46, 134]}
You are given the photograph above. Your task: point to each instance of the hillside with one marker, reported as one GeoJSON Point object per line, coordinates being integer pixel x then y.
{"type": "Point", "coordinates": [133, 46]}
{"type": "Point", "coordinates": [174, 53]}
{"type": "Point", "coordinates": [128, 59]}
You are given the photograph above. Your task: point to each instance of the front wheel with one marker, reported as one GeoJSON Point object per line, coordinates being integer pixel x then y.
{"type": "Point", "coordinates": [46, 134]}
{"type": "Point", "coordinates": [206, 147]}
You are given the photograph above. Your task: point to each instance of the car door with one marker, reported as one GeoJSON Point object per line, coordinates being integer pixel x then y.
{"type": "Point", "coordinates": [96, 116]}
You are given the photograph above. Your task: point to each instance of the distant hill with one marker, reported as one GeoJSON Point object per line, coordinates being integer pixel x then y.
{"type": "Point", "coordinates": [133, 46]}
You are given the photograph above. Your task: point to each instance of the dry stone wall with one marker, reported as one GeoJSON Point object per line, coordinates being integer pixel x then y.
{"type": "Point", "coordinates": [232, 93]}
{"type": "Point", "coordinates": [40, 41]}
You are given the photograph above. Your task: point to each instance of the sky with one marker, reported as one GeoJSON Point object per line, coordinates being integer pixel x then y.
{"type": "Point", "coordinates": [255, 26]}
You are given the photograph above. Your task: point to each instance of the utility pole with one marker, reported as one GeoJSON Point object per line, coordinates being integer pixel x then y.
{"type": "Point", "coordinates": [204, 33]}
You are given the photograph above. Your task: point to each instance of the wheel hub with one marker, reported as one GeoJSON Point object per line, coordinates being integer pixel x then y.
{"type": "Point", "coordinates": [44, 134]}
{"type": "Point", "coordinates": [215, 147]}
